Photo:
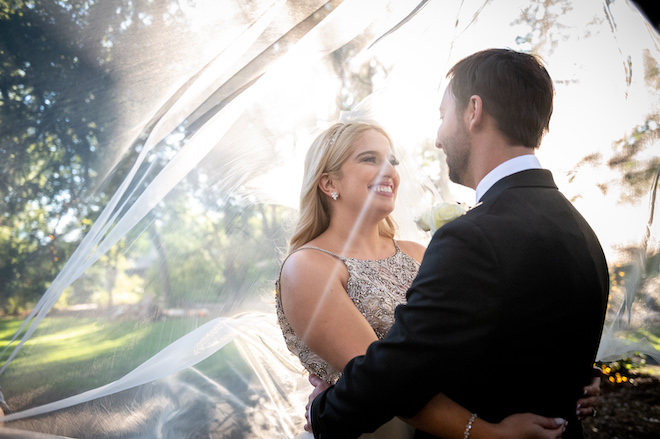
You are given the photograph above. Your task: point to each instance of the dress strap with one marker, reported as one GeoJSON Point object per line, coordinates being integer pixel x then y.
{"type": "Point", "coordinates": [277, 283]}
{"type": "Point", "coordinates": [341, 258]}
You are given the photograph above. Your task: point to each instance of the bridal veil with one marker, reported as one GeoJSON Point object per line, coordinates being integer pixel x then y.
{"type": "Point", "coordinates": [179, 129]}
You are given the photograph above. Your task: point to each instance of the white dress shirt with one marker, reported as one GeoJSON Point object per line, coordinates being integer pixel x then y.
{"type": "Point", "coordinates": [516, 164]}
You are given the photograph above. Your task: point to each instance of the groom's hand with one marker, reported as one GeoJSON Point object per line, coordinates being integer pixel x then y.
{"type": "Point", "coordinates": [319, 387]}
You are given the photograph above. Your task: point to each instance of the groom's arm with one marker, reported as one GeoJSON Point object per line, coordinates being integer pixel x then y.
{"type": "Point", "coordinates": [400, 374]}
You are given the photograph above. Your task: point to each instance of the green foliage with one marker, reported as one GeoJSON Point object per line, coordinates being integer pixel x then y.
{"type": "Point", "coordinates": [46, 143]}
{"type": "Point", "coordinates": [227, 254]}
{"type": "Point", "coordinates": [61, 107]}
{"type": "Point", "coordinates": [16, 305]}
{"type": "Point", "coordinates": [631, 159]}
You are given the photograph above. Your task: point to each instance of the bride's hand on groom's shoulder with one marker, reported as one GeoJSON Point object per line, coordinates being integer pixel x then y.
{"type": "Point", "coordinates": [530, 426]}
{"type": "Point", "coordinates": [319, 387]}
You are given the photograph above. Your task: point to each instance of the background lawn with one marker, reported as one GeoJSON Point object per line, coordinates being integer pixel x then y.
{"type": "Point", "coordinates": [70, 350]}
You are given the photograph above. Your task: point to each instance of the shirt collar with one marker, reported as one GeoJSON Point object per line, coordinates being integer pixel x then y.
{"type": "Point", "coordinates": [511, 166]}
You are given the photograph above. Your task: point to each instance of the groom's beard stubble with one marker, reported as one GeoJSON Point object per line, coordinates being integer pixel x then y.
{"type": "Point", "coordinates": [457, 150]}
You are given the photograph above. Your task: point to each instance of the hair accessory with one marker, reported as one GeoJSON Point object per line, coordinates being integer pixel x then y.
{"type": "Point", "coordinates": [334, 195]}
{"type": "Point", "coordinates": [336, 135]}
{"type": "Point", "coordinates": [468, 427]}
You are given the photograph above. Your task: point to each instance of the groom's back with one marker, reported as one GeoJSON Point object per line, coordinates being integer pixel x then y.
{"type": "Point", "coordinates": [552, 287]}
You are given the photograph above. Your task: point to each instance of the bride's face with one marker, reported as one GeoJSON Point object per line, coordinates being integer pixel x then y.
{"type": "Point", "coordinates": [369, 180]}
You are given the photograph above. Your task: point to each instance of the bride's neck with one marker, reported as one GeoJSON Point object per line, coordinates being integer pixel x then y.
{"type": "Point", "coordinates": [356, 239]}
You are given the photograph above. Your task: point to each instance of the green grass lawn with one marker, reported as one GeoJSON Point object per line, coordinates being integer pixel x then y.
{"type": "Point", "coordinates": [77, 354]}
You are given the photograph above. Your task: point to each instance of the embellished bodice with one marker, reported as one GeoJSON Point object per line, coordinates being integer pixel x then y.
{"type": "Point", "coordinates": [376, 287]}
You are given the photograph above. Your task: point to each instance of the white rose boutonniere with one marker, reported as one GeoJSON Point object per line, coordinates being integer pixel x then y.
{"type": "Point", "coordinates": [439, 215]}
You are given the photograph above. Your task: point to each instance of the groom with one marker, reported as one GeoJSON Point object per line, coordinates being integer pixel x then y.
{"type": "Point", "coordinates": [506, 312]}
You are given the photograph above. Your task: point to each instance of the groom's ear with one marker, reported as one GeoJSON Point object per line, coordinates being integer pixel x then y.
{"type": "Point", "coordinates": [474, 112]}
{"type": "Point", "coordinates": [326, 184]}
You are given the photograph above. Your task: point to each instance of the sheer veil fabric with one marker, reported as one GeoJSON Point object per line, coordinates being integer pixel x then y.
{"type": "Point", "coordinates": [196, 179]}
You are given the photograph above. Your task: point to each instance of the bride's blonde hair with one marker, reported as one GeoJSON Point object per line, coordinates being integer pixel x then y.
{"type": "Point", "coordinates": [328, 153]}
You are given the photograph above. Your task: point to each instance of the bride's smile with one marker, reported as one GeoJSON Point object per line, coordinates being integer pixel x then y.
{"type": "Point", "coordinates": [369, 177]}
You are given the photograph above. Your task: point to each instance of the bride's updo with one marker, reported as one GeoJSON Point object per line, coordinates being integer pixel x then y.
{"type": "Point", "coordinates": [327, 154]}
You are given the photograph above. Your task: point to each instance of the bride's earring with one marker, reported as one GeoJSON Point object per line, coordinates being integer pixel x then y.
{"type": "Point", "coordinates": [334, 195]}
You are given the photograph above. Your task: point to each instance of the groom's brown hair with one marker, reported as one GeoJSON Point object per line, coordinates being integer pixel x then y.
{"type": "Point", "coordinates": [515, 88]}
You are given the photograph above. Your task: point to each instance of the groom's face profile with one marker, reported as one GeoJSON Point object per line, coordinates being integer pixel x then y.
{"type": "Point", "coordinates": [453, 138]}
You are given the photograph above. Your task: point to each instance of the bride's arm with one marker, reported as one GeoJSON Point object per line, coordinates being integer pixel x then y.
{"type": "Point", "coordinates": [444, 418]}
{"type": "Point", "coordinates": [433, 419]}
{"type": "Point", "coordinates": [320, 311]}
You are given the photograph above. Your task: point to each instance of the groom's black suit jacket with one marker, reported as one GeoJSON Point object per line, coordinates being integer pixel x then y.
{"type": "Point", "coordinates": [504, 317]}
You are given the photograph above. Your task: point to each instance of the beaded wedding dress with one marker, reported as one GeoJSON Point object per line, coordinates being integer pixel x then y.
{"type": "Point", "coordinates": [152, 155]}
{"type": "Point", "coordinates": [376, 287]}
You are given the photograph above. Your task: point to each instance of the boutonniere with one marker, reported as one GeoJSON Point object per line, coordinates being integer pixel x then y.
{"type": "Point", "coordinates": [440, 214]}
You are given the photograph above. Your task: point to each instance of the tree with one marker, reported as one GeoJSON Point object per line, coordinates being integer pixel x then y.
{"type": "Point", "coordinates": [59, 125]}
{"type": "Point", "coordinates": [47, 143]}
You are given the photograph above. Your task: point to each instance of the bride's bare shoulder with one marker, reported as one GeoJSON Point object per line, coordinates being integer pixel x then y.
{"type": "Point", "coordinates": [309, 265]}
{"type": "Point", "coordinates": [412, 249]}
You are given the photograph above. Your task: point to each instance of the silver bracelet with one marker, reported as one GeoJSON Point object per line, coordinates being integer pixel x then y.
{"type": "Point", "coordinates": [468, 427]}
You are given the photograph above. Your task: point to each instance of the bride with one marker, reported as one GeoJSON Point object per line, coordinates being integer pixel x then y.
{"type": "Point", "coordinates": [345, 274]}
